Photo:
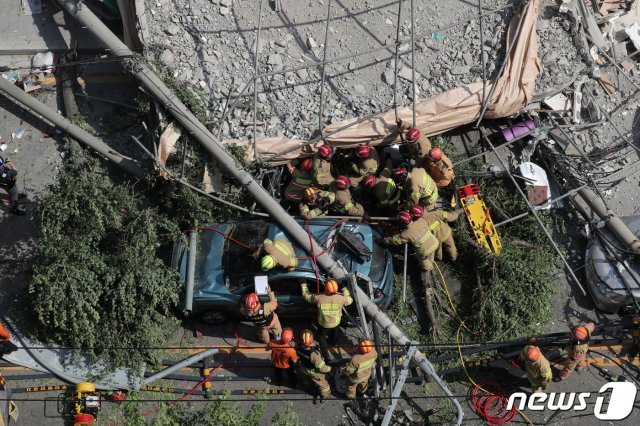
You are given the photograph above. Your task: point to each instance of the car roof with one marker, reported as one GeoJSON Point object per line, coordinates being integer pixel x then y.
{"type": "Point", "coordinates": [603, 249]}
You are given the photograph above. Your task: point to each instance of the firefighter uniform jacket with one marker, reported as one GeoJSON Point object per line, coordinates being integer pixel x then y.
{"type": "Point", "coordinates": [282, 354]}
{"type": "Point", "coordinates": [437, 220]}
{"type": "Point", "coordinates": [578, 350]}
{"type": "Point", "coordinates": [300, 180]}
{"type": "Point", "coordinates": [329, 305]}
{"type": "Point", "coordinates": [282, 251]}
{"type": "Point", "coordinates": [311, 361]}
{"type": "Point", "coordinates": [423, 189]}
{"type": "Point", "coordinates": [311, 211]}
{"type": "Point", "coordinates": [419, 234]}
{"type": "Point", "coordinates": [420, 149]}
{"type": "Point", "coordinates": [539, 372]}
{"type": "Point", "coordinates": [359, 368]}
{"type": "Point", "coordinates": [344, 204]}
{"type": "Point", "coordinates": [265, 315]}
{"type": "Point", "coordinates": [441, 171]}
{"type": "Point", "coordinates": [322, 175]}
{"type": "Point", "coordinates": [386, 190]}
{"type": "Point", "coordinates": [367, 166]}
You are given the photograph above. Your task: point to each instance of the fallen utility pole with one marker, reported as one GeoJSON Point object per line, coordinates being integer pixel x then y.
{"type": "Point", "coordinates": [156, 88]}
{"type": "Point", "coordinates": [12, 91]}
{"type": "Point", "coordinates": [613, 222]}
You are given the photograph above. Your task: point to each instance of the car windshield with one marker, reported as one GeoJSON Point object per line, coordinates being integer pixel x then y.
{"type": "Point", "coordinates": [240, 266]}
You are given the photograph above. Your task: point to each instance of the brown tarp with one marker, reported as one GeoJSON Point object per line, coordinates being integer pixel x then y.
{"type": "Point", "coordinates": [441, 113]}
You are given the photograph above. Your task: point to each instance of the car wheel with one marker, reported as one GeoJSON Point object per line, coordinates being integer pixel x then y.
{"type": "Point", "coordinates": [213, 317]}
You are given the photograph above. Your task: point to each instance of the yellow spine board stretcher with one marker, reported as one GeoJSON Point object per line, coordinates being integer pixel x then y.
{"type": "Point", "coordinates": [479, 218]}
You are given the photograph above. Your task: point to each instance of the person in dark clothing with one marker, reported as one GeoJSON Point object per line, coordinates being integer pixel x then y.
{"type": "Point", "coordinates": [8, 182]}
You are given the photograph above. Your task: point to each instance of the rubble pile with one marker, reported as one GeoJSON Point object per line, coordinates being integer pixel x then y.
{"type": "Point", "coordinates": [210, 45]}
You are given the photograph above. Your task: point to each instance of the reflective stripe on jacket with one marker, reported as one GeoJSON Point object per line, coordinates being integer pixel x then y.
{"type": "Point", "coordinates": [422, 186]}
{"type": "Point", "coordinates": [329, 305]}
{"type": "Point", "coordinates": [360, 366]}
{"type": "Point", "coordinates": [282, 251]}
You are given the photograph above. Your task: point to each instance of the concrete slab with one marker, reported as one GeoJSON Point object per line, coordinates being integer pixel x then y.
{"type": "Point", "coordinates": [52, 30]}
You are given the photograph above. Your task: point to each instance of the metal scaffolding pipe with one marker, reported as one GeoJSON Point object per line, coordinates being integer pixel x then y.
{"type": "Point", "coordinates": [175, 367]}
{"type": "Point", "coordinates": [613, 222]}
{"type": "Point", "coordinates": [191, 273]}
{"type": "Point", "coordinates": [156, 88]}
{"type": "Point", "coordinates": [12, 91]}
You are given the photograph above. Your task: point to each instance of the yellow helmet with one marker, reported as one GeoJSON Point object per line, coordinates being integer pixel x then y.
{"type": "Point", "coordinates": [267, 263]}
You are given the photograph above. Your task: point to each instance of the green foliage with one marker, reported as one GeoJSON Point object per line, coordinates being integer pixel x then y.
{"type": "Point", "coordinates": [288, 417]}
{"type": "Point", "coordinates": [218, 412]}
{"type": "Point", "coordinates": [98, 282]}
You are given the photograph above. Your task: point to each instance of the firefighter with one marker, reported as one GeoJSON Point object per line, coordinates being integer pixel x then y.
{"type": "Point", "coordinates": [322, 176]}
{"type": "Point", "coordinates": [437, 221]}
{"type": "Point", "coordinates": [316, 203]}
{"type": "Point", "coordinates": [419, 234]}
{"type": "Point", "coordinates": [263, 316]}
{"type": "Point", "coordinates": [312, 367]}
{"type": "Point", "coordinates": [280, 253]}
{"type": "Point", "coordinates": [330, 307]}
{"type": "Point", "coordinates": [422, 189]}
{"type": "Point", "coordinates": [441, 170]}
{"type": "Point", "coordinates": [343, 203]}
{"type": "Point", "coordinates": [537, 367]}
{"type": "Point", "coordinates": [6, 345]}
{"type": "Point", "coordinates": [417, 145]}
{"type": "Point", "coordinates": [301, 179]}
{"type": "Point", "coordinates": [384, 187]}
{"type": "Point", "coordinates": [283, 357]}
{"type": "Point", "coordinates": [9, 182]}
{"type": "Point", "coordinates": [359, 368]}
{"type": "Point", "coordinates": [367, 164]}
{"type": "Point", "coordinates": [577, 349]}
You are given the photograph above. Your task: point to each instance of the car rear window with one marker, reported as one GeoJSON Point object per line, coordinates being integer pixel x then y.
{"type": "Point", "coordinates": [378, 262]}
{"type": "Point", "coordinates": [240, 266]}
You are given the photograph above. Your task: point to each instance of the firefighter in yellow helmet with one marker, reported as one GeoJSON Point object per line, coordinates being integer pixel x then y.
{"type": "Point", "coordinates": [359, 369]}
{"type": "Point", "coordinates": [537, 367]}
{"type": "Point", "coordinates": [330, 307]}
{"type": "Point", "coordinates": [577, 349]}
{"type": "Point", "coordinates": [422, 189]}
{"type": "Point", "coordinates": [322, 175]}
{"type": "Point", "coordinates": [279, 252]}
{"type": "Point", "coordinates": [316, 203]}
{"type": "Point", "coordinates": [312, 368]}
{"type": "Point", "coordinates": [437, 221]}
{"type": "Point", "coordinates": [418, 233]}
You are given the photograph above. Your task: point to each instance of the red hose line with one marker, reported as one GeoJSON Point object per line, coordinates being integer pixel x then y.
{"type": "Point", "coordinates": [492, 404]}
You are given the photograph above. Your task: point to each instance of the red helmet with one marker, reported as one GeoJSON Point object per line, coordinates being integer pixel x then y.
{"type": "Point", "coordinates": [306, 337]}
{"type": "Point", "coordinates": [417, 211]}
{"type": "Point", "coordinates": [405, 217]}
{"type": "Point", "coordinates": [287, 335]}
{"type": "Point", "coordinates": [331, 287]}
{"type": "Point", "coordinates": [252, 302]}
{"type": "Point", "coordinates": [413, 135]}
{"type": "Point", "coordinates": [400, 173]}
{"type": "Point", "coordinates": [363, 151]}
{"type": "Point", "coordinates": [325, 151]}
{"type": "Point", "coordinates": [342, 182]}
{"type": "Point", "coordinates": [370, 181]}
{"type": "Point", "coordinates": [533, 354]}
{"type": "Point", "coordinates": [435, 153]}
{"type": "Point", "coordinates": [365, 346]}
{"type": "Point", "coordinates": [306, 164]}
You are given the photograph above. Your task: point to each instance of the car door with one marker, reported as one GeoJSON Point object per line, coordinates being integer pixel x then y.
{"type": "Point", "coordinates": [289, 295]}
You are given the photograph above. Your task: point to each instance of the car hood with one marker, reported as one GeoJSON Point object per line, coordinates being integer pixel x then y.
{"type": "Point", "coordinates": [602, 250]}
